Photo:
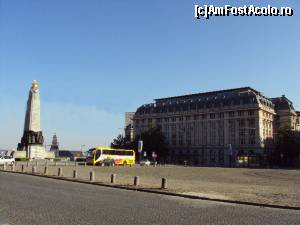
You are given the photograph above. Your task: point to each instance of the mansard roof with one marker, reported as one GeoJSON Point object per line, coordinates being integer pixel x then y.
{"type": "Point", "coordinates": [210, 94]}
{"type": "Point", "coordinates": [282, 103]}
{"type": "Point", "coordinates": [238, 96]}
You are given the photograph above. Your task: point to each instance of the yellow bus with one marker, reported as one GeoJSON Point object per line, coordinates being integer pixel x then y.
{"type": "Point", "coordinates": [108, 156]}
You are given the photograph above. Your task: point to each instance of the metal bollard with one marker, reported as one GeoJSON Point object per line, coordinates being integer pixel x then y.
{"type": "Point", "coordinates": [164, 183]}
{"type": "Point", "coordinates": [92, 176]}
{"type": "Point", "coordinates": [59, 172]}
{"type": "Point", "coordinates": [85, 164]}
{"type": "Point", "coordinates": [27, 163]}
{"type": "Point", "coordinates": [22, 168]}
{"type": "Point", "coordinates": [136, 181]}
{"type": "Point", "coordinates": [45, 170]}
{"type": "Point", "coordinates": [33, 169]}
{"type": "Point", "coordinates": [113, 178]}
{"type": "Point", "coordinates": [75, 174]}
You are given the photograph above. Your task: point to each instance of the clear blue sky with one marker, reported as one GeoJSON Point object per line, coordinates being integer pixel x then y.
{"type": "Point", "coordinates": [97, 59]}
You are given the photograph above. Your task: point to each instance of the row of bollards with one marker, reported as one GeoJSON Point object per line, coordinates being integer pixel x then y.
{"type": "Point", "coordinates": [113, 177]}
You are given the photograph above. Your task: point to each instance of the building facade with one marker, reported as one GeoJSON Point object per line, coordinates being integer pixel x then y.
{"type": "Point", "coordinates": [286, 115]}
{"type": "Point", "coordinates": [128, 130]}
{"type": "Point", "coordinates": [213, 128]}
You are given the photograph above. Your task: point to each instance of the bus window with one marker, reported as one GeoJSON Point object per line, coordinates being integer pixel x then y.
{"type": "Point", "coordinates": [105, 152]}
{"type": "Point", "coordinates": [113, 152]}
{"type": "Point", "coordinates": [98, 154]}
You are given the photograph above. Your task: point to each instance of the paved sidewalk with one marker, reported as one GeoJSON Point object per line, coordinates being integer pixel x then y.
{"type": "Point", "coordinates": [280, 187]}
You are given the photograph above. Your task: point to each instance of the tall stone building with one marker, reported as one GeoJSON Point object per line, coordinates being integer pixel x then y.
{"type": "Point", "coordinates": [213, 128]}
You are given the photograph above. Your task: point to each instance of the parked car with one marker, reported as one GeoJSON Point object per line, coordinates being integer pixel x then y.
{"type": "Point", "coordinates": [7, 159]}
{"type": "Point", "coordinates": [145, 162]}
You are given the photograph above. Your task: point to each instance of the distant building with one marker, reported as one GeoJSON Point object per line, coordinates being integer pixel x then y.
{"type": "Point", "coordinates": [71, 155]}
{"type": "Point", "coordinates": [54, 145]}
{"type": "Point", "coordinates": [129, 125]}
{"type": "Point", "coordinates": [217, 128]}
{"type": "Point", "coordinates": [298, 120]}
{"type": "Point", "coordinates": [286, 115]}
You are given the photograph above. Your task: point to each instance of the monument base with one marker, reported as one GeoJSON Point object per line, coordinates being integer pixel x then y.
{"type": "Point", "coordinates": [39, 152]}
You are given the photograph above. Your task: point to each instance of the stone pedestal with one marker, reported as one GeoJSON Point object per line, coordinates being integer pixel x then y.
{"type": "Point", "coordinates": [39, 152]}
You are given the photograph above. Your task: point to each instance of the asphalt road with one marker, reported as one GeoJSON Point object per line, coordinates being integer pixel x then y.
{"type": "Point", "coordinates": [28, 200]}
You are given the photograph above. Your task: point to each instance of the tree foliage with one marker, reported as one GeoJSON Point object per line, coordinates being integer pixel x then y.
{"type": "Point", "coordinates": [153, 141]}
{"type": "Point", "coordinates": [121, 142]}
{"type": "Point", "coordinates": [287, 148]}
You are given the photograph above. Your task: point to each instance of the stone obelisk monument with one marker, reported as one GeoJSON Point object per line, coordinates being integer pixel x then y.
{"type": "Point", "coordinates": [32, 140]}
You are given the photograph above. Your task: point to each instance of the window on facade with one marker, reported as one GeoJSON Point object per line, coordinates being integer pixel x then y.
{"type": "Point", "coordinates": [241, 113]}
{"type": "Point", "coordinates": [173, 119]}
{"type": "Point", "coordinates": [212, 116]}
{"type": "Point", "coordinates": [250, 112]}
{"type": "Point", "coordinates": [251, 122]}
{"type": "Point", "coordinates": [166, 119]}
{"type": "Point", "coordinates": [252, 141]}
{"type": "Point", "coordinates": [203, 116]}
{"type": "Point", "coordinates": [252, 132]}
{"type": "Point", "coordinates": [221, 115]}
{"type": "Point", "coordinates": [242, 141]}
{"type": "Point", "coordinates": [180, 140]}
{"type": "Point", "coordinates": [196, 117]}
{"type": "Point", "coordinates": [212, 156]}
{"type": "Point", "coordinates": [231, 114]}
{"type": "Point", "coordinates": [241, 123]}
{"type": "Point", "coordinates": [180, 118]}
{"type": "Point", "coordinates": [187, 118]}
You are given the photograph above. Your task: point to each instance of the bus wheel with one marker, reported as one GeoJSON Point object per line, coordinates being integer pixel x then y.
{"type": "Point", "coordinates": [124, 163]}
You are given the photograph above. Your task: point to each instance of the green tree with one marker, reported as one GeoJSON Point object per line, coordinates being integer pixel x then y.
{"type": "Point", "coordinates": [153, 141]}
{"type": "Point", "coordinates": [121, 142]}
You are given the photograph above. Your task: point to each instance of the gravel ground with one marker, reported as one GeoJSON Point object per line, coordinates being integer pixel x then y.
{"type": "Point", "coordinates": [280, 187]}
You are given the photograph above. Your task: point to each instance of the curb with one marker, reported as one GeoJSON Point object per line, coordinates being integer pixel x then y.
{"type": "Point", "coordinates": [161, 192]}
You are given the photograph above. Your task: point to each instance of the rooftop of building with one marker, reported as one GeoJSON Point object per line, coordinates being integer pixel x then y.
{"type": "Point", "coordinates": [212, 93]}
{"type": "Point", "coordinates": [282, 103]}
{"type": "Point", "coordinates": [237, 96]}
